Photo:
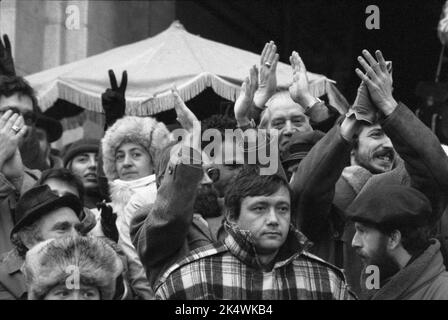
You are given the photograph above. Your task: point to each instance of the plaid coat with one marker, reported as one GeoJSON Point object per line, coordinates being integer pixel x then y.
{"type": "Point", "coordinates": [231, 270]}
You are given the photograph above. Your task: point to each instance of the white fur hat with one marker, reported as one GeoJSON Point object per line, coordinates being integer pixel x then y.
{"type": "Point", "coordinates": [51, 262]}
{"type": "Point", "coordinates": [152, 135]}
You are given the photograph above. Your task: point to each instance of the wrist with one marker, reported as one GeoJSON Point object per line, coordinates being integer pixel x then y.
{"type": "Point", "coordinates": [243, 121]}
{"type": "Point", "coordinates": [389, 106]}
{"type": "Point", "coordinates": [306, 101]}
{"type": "Point", "coordinates": [348, 128]}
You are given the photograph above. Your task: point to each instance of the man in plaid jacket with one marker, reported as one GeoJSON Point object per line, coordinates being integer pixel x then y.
{"type": "Point", "coordinates": [262, 257]}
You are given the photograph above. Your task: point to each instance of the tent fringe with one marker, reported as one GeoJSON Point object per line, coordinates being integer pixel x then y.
{"type": "Point", "coordinates": [164, 101]}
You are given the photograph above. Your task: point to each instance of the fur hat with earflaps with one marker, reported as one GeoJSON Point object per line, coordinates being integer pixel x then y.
{"type": "Point", "coordinates": [152, 135]}
{"type": "Point", "coordinates": [52, 262]}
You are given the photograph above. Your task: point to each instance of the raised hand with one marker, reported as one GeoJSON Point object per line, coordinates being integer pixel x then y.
{"type": "Point", "coordinates": [378, 80]}
{"type": "Point", "coordinates": [300, 89]}
{"type": "Point", "coordinates": [113, 99]}
{"type": "Point", "coordinates": [268, 75]}
{"type": "Point", "coordinates": [246, 97]}
{"type": "Point", "coordinates": [6, 60]}
{"type": "Point", "coordinates": [187, 120]}
{"type": "Point", "coordinates": [108, 219]}
{"type": "Point", "coordinates": [12, 130]}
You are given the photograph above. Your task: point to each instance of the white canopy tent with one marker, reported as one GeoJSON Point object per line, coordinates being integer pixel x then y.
{"type": "Point", "coordinates": [172, 57]}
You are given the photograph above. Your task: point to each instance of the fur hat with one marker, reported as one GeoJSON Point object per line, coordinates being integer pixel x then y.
{"type": "Point", "coordinates": [51, 262]}
{"type": "Point", "coordinates": [152, 135]}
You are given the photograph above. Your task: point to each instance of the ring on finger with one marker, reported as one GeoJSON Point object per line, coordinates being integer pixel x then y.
{"type": "Point", "coordinates": [267, 64]}
{"type": "Point", "coordinates": [15, 129]}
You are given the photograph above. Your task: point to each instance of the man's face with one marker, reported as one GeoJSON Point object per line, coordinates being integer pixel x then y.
{"type": "Point", "coordinates": [375, 151]}
{"type": "Point", "coordinates": [59, 223]}
{"type": "Point", "coordinates": [85, 165]}
{"type": "Point", "coordinates": [62, 292]}
{"type": "Point", "coordinates": [287, 118]}
{"type": "Point", "coordinates": [228, 163]}
{"type": "Point", "coordinates": [206, 202]}
{"type": "Point", "coordinates": [268, 219]}
{"type": "Point", "coordinates": [371, 246]}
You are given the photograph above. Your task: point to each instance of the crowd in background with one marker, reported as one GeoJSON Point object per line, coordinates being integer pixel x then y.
{"type": "Point", "coordinates": [356, 208]}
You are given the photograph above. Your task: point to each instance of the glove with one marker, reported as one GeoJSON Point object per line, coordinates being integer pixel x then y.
{"type": "Point", "coordinates": [113, 99]}
{"type": "Point", "coordinates": [108, 218]}
{"type": "Point", "coordinates": [6, 60]}
{"type": "Point", "coordinates": [363, 108]}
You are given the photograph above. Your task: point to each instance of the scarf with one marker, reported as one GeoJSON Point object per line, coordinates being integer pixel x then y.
{"type": "Point", "coordinates": [121, 191]}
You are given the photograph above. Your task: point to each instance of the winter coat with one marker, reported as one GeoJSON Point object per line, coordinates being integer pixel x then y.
{"type": "Point", "coordinates": [127, 197]}
{"type": "Point", "coordinates": [425, 278]}
{"type": "Point", "coordinates": [324, 194]}
{"type": "Point", "coordinates": [166, 231]}
{"type": "Point", "coordinates": [231, 270]}
{"type": "Point", "coordinates": [9, 196]}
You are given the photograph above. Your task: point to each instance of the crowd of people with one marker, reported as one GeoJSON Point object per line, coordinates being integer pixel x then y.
{"type": "Point", "coordinates": [356, 207]}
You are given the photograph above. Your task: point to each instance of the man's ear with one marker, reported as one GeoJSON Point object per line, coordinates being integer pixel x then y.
{"type": "Point", "coordinates": [394, 240]}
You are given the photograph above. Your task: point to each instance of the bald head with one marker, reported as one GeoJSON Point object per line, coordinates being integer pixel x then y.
{"type": "Point", "coordinates": [285, 115]}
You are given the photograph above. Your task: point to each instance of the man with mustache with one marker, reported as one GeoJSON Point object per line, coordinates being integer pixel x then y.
{"type": "Point", "coordinates": [390, 146]}
{"type": "Point", "coordinates": [393, 237]}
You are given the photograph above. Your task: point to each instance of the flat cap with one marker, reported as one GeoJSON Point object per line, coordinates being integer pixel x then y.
{"type": "Point", "coordinates": [390, 206]}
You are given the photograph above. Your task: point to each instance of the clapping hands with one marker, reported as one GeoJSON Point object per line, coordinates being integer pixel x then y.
{"type": "Point", "coordinates": [268, 78]}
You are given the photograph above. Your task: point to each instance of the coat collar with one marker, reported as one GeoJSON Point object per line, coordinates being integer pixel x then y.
{"type": "Point", "coordinates": [423, 269]}
{"type": "Point", "coordinates": [241, 244]}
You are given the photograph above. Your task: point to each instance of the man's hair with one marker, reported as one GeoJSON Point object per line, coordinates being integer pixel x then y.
{"type": "Point", "coordinates": [219, 122]}
{"type": "Point", "coordinates": [10, 85]}
{"type": "Point", "coordinates": [26, 234]}
{"type": "Point", "coordinates": [413, 239]}
{"type": "Point", "coordinates": [64, 175]}
{"type": "Point", "coordinates": [249, 183]}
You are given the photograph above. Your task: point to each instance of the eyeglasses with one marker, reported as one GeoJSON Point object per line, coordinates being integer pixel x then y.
{"type": "Point", "coordinates": [213, 173]}
{"type": "Point", "coordinates": [28, 116]}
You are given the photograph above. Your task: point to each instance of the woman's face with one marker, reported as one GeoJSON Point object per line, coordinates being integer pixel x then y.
{"type": "Point", "coordinates": [132, 162]}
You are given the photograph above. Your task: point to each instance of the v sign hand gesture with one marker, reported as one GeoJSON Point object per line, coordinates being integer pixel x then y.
{"type": "Point", "coordinates": [113, 99]}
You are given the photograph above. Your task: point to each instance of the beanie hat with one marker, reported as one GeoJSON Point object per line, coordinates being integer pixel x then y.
{"type": "Point", "coordinates": [80, 146]}
{"type": "Point", "coordinates": [152, 135]}
{"type": "Point", "coordinates": [390, 206]}
{"type": "Point", "coordinates": [52, 262]}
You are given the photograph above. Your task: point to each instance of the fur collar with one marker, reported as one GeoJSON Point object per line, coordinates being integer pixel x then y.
{"type": "Point", "coordinates": [121, 191]}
